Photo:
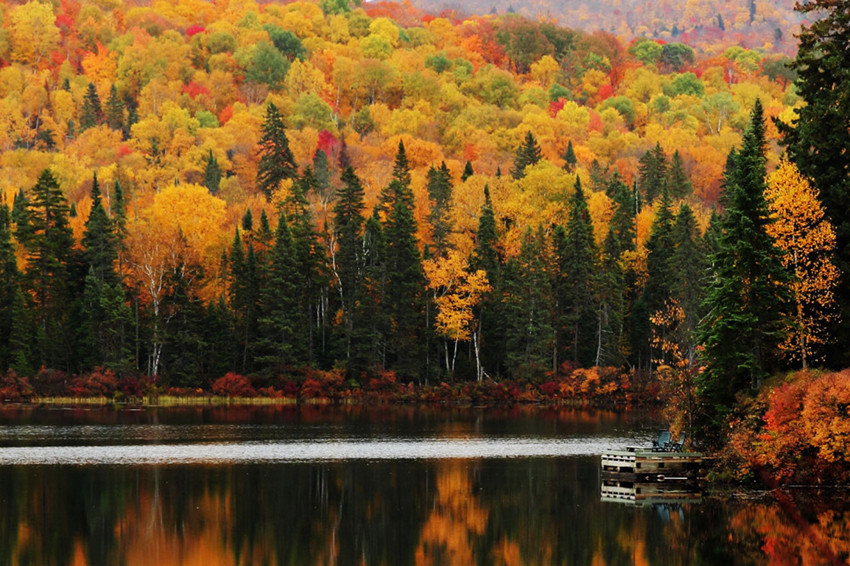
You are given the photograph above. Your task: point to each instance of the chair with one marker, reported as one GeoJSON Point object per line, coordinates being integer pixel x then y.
{"type": "Point", "coordinates": [663, 441]}
{"type": "Point", "coordinates": [677, 446]}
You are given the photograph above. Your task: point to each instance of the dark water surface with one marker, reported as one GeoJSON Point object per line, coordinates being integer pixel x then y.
{"type": "Point", "coordinates": [323, 485]}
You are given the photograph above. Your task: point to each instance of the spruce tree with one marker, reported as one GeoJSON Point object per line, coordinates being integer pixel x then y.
{"type": "Point", "coordinates": [405, 278]}
{"type": "Point", "coordinates": [92, 113]}
{"type": "Point", "coordinates": [677, 180]}
{"type": "Point", "coordinates": [282, 321]}
{"type": "Point", "coordinates": [528, 153]}
{"type": "Point", "coordinates": [114, 111]}
{"type": "Point", "coordinates": [47, 278]}
{"type": "Point", "coordinates": [577, 261]}
{"type": "Point", "coordinates": [276, 160]}
{"type": "Point", "coordinates": [322, 172]}
{"type": "Point", "coordinates": [653, 173]}
{"type": "Point", "coordinates": [212, 174]}
{"type": "Point", "coordinates": [570, 159]}
{"type": "Point", "coordinates": [659, 249]}
{"type": "Point", "coordinates": [688, 266]}
{"type": "Point", "coordinates": [372, 315]}
{"type": "Point", "coordinates": [485, 256]}
{"type": "Point", "coordinates": [99, 240]}
{"type": "Point", "coordinates": [467, 171]}
{"type": "Point", "coordinates": [8, 285]}
{"type": "Point", "coordinates": [349, 261]}
{"type": "Point", "coordinates": [440, 193]}
{"type": "Point", "coordinates": [747, 296]}
{"type": "Point", "coordinates": [244, 292]}
{"type": "Point", "coordinates": [609, 304]}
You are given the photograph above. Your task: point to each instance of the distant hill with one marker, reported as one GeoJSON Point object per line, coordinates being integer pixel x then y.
{"type": "Point", "coordinates": [711, 25]}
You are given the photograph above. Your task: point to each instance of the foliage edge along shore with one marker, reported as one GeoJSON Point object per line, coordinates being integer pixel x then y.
{"type": "Point", "coordinates": [329, 202]}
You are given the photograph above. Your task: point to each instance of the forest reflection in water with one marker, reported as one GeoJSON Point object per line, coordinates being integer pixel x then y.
{"type": "Point", "coordinates": [535, 510]}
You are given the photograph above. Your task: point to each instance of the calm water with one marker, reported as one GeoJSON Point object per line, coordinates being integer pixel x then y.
{"type": "Point", "coordinates": [345, 486]}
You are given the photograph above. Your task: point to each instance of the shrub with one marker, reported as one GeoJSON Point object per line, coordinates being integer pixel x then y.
{"type": "Point", "coordinates": [15, 389]}
{"type": "Point", "coordinates": [99, 382]}
{"type": "Point", "coordinates": [233, 385]}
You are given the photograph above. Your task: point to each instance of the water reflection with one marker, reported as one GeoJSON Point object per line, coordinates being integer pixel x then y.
{"type": "Point", "coordinates": [534, 510]}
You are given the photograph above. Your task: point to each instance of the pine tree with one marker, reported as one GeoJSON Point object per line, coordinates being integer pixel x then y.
{"type": "Point", "coordinates": [577, 261]}
{"type": "Point", "coordinates": [49, 249]}
{"type": "Point", "coordinates": [528, 153]}
{"type": "Point", "coordinates": [485, 256]}
{"type": "Point", "coordinates": [244, 293]}
{"type": "Point", "coordinates": [8, 285]}
{"type": "Point", "coordinates": [282, 321]}
{"type": "Point", "coordinates": [677, 180]}
{"type": "Point", "coordinates": [747, 297]}
{"type": "Point", "coordinates": [440, 193]}
{"type": "Point", "coordinates": [405, 279]}
{"type": "Point", "coordinates": [653, 173]}
{"type": "Point", "coordinates": [372, 315]}
{"type": "Point", "coordinates": [349, 261]}
{"type": "Point", "coordinates": [114, 112]}
{"type": "Point", "coordinates": [570, 160]}
{"type": "Point", "coordinates": [99, 240]}
{"type": "Point", "coordinates": [659, 248]}
{"type": "Point", "coordinates": [322, 172]}
{"type": "Point", "coordinates": [609, 303]}
{"type": "Point", "coordinates": [92, 113]}
{"type": "Point", "coordinates": [818, 139]}
{"type": "Point", "coordinates": [212, 174]}
{"type": "Point", "coordinates": [688, 266]}
{"type": "Point", "coordinates": [467, 171]}
{"type": "Point", "coordinates": [276, 160]}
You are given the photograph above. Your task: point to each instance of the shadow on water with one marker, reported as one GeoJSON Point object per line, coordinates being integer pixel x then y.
{"type": "Point", "coordinates": [489, 509]}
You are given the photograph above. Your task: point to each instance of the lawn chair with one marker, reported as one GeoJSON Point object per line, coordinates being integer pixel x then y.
{"type": "Point", "coordinates": [663, 441]}
{"type": "Point", "coordinates": [677, 446]}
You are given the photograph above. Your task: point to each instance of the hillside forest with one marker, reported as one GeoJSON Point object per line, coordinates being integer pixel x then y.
{"type": "Point", "coordinates": [193, 188]}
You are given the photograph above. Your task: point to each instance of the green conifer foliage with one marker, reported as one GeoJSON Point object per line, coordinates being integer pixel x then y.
{"type": "Point", "coordinates": [570, 159]}
{"type": "Point", "coordinates": [92, 113]}
{"type": "Point", "coordinates": [99, 239]}
{"type": "Point", "coordinates": [528, 153]}
{"type": "Point", "coordinates": [212, 174]}
{"type": "Point", "coordinates": [114, 111]}
{"type": "Point", "coordinates": [349, 261]}
{"type": "Point", "coordinates": [276, 160]}
{"type": "Point", "coordinates": [653, 173]}
{"type": "Point", "coordinates": [467, 171]}
{"type": "Point", "coordinates": [8, 285]}
{"type": "Point", "coordinates": [440, 193]}
{"type": "Point", "coordinates": [747, 297]}
{"type": "Point", "coordinates": [677, 180]}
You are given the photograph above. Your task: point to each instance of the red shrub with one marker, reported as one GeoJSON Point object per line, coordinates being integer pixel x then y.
{"type": "Point", "coordinates": [98, 383]}
{"type": "Point", "coordinates": [384, 382]}
{"type": "Point", "coordinates": [14, 389]}
{"type": "Point", "coordinates": [130, 386]}
{"type": "Point", "coordinates": [322, 385]}
{"type": "Point", "coordinates": [233, 385]}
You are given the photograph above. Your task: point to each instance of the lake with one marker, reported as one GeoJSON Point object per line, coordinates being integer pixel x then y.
{"type": "Point", "coordinates": [353, 485]}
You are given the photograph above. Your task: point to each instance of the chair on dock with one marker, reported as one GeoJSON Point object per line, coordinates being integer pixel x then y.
{"type": "Point", "coordinates": [677, 446]}
{"type": "Point", "coordinates": [662, 443]}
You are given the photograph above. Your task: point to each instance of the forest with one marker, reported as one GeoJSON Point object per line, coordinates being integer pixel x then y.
{"type": "Point", "coordinates": [351, 195]}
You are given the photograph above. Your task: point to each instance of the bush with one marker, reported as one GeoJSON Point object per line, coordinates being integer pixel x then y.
{"type": "Point", "coordinates": [323, 385]}
{"type": "Point", "coordinates": [14, 389]}
{"type": "Point", "coordinates": [99, 382]}
{"type": "Point", "coordinates": [233, 385]}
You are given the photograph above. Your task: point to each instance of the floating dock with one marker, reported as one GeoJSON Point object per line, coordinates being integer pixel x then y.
{"type": "Point", "coordinates": [644, 465]}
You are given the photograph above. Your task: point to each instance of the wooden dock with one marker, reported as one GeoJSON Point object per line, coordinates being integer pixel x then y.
{"type": "Point", "coordinates": [646, 465]}
{"type": "Point", "coordinates": [650, 493]}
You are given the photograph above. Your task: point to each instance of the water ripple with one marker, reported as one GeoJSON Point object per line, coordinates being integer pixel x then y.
{"type": "Point", "coordinates": [306, 451]}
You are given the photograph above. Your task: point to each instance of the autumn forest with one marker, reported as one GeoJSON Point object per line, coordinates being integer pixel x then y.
{"type": "Point", "coordinates": [257, 197]}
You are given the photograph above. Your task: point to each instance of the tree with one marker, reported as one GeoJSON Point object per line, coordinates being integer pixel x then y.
{"type": "Point", "coordinates": [688, 266]}
{"type": "Point", "coordinates": [212, 173]}
{"type": "Point", "coordinates": [348, 260]}
{"type": "Point", "coordinates": [467, 171]}
{"type": "Point", "coordinates": [99, 239]}
{"type": "Point", "coordinates": [528, 153]}
{"type": "Point", "coordinates": [660, 249]}
{"type": "Point", "coordinates": [440, 193]}
{"type": "Point", "coordinates": [281, 321]}
{"type": "Point", "coordinates": [808, 242]}
{"type": "Point", "coordinates": [405, 280]}
{"type": "Point", "coordinates": [114, 111]}
{"type": "Point", "coordinates": [48, 244]}
{"type": "Point", "coordinates": [748, 294]}
{"type": "Point", "coordinates": [817, 141]}
{"type": "Point", "coordinates": [570, 157]}
{"type": "Point", "coordinates": [577, 261]}
{"type": "Point", "coordinates": [485, 256]}
{"type": "Point", "coordinates": [92, 113]}
{"type": "Point", "coordinates": [276, 160]}
{"type": "Point", "coordinates": [8, 285]}
{"type": "Point", "coordinates": [677, 180]}
{"type": "Point", "coordinates": [653, 173]}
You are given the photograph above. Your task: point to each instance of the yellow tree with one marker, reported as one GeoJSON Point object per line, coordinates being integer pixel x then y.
{"type": "Point", "coordinates": [808, 240]}
{"type": "Point", "coordinates": [457, 290]}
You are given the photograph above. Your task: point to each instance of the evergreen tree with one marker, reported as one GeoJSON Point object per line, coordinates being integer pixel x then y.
{"type": "Point", "coordinates": [21, 336]}
{"type": "Point", "coordinates": [677, 180]}
{"type": "Point", "coordinates": [92, 113]}
{"type": "Point", "coordinates": [577, 261]}
{"type": "Point", "coordinates": [609, 304]}
{"type": "Point", "coordinates": [440, 193]}
{"type": "Point", "coordinates": [114, 111]}
{"type": "Point", "coordinates": [244, 293]}
{"type": "Point", "coordinates": [212, 174]}
{"type": "Point", "coordinates": [467, 171]}
{"type": "Point", "coordinates": [688, 266]}
{"type": "Point", "coordinates": [322, 172]}
{"type": "Point", "coordinates": [653, 173]}
{"type": "Point", "coordinates": [599, 177]}
{"type": "Point", "coordinates": [248, 222]}
{"type": "Point", "coordinates": [623, 226]}
{"type": "Point", "coordinates": [747, 297]}
{"type": "Point", "coordinates": [282, 321]}
{"type": "Point", "coordinates": [570, 160]}
{"type": "Point", "coordinates": [276, 160]}
{"type": "Point", "coordinates": [8, 285]}
{"type": "Point", "coordinates": [372, 318]}
{"type": "Point", "coordinates": [49, 249]}
{"type": "Point", "coordinates": [485, 256]}
{"type": "Point", "coordinates": [528, 153]}
{"type": "Point", "coordinates": [99, 239]}
{"type": "Point", "coordinates": [818, 140]}
{"type": "Point", "coordinates": [405, 278]}
{"type": "Point", "coordinates": [349, 261]}
{"type": "Point", "coordinates": [527, 308]}
{"type": "Point", "coordinates": [659, 249]}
